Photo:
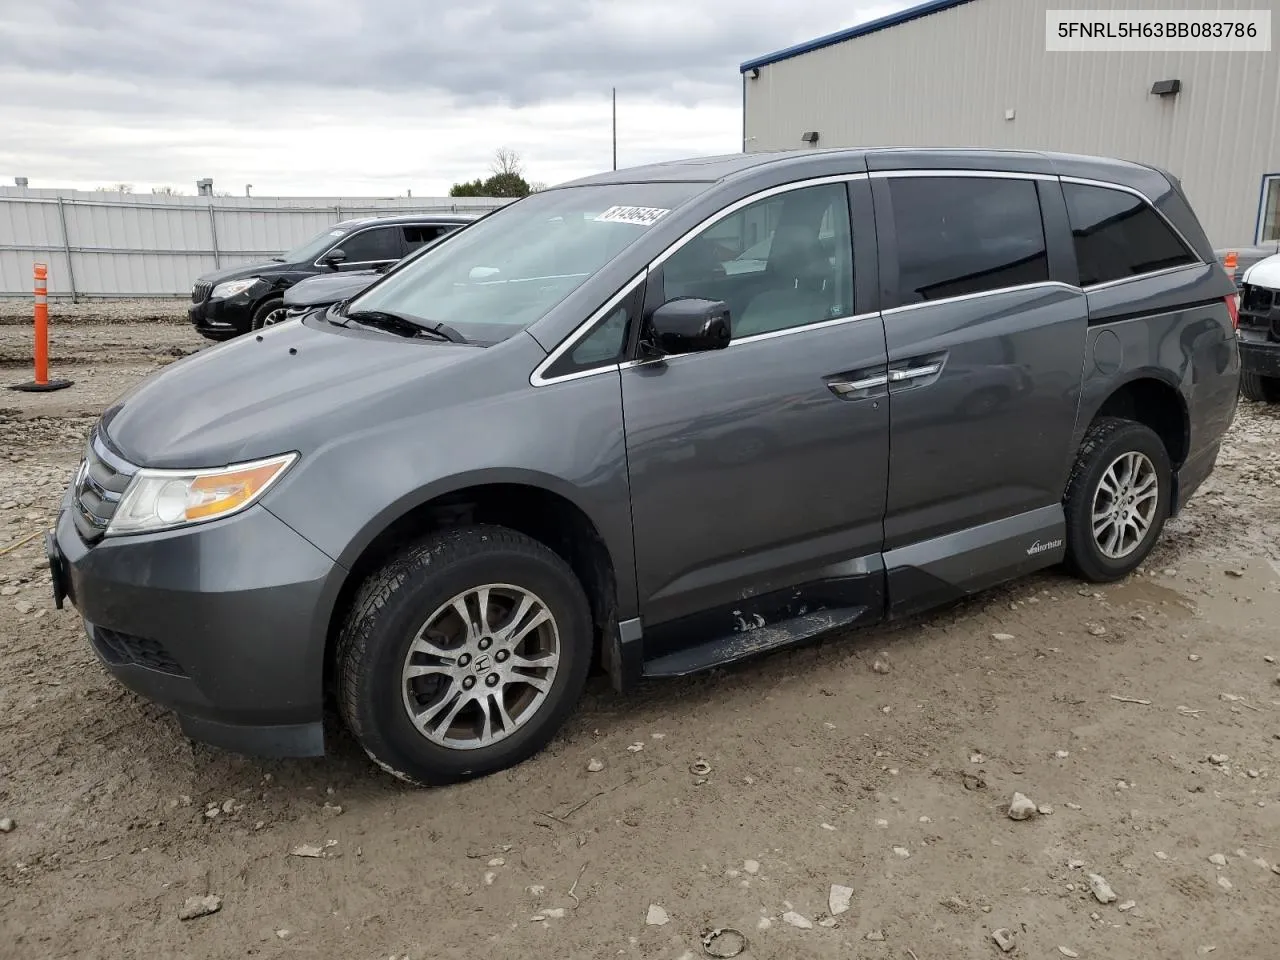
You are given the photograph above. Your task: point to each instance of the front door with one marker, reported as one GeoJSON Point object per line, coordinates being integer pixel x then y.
{"type": "Point", "coordinates": [761, 467]}
{"type": "Point", "coordinates": [985, 351]}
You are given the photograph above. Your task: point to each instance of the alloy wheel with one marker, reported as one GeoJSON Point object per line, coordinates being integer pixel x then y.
{"type": "Point", "coordinates": [1124, 504]}
{"type": "Point", "coordinates": [481, 666]}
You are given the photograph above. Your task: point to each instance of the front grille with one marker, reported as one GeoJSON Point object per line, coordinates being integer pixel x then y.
{"type": "Point", "coordinates": [200, 292]}
{"type": "Point", "coordinates": [124, 648]}
{"type": "Point", "coordinates": [1256, 298]}
{"type": "Point", "coordinates": [100, 482]}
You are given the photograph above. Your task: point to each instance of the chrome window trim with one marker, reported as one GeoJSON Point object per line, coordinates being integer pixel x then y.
{"type": "Point", "coordinates": [948, 172]}
{"type": "Point", "coordinates": [1143, 276]}
{"type": "Point", "coordinates": [757, 337]}
{"type": "Point", "coordinates": [538, 378]}
{"type": "Point", "coordinates": [962, 297]}
{"type": "Point", "coordinates": [1133, 191]}
{"type": "Point", "coordinates": [737, 205]}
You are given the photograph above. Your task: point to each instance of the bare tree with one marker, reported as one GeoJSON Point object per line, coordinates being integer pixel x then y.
{"type": "Point", "coordinates": [507, 161]}
{"type": "Point", "coordinates": [167, 192]}
{"type": "Point", "coordinates": [116, 188]}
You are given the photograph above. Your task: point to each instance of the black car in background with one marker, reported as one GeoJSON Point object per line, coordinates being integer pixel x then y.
{"type": "Point", "coordinates": [327, 289]}
{"type": "Point", "coordinates": [235, 300]}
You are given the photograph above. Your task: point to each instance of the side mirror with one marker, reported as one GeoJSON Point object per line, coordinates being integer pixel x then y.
{"type": "Point", "coordinates": [335, 258]}
{"type": "Point", "coordinates": [690, 325]}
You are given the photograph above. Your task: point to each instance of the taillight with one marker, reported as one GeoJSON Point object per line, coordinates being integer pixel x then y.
{"type": "Point", "coordinates": [1233, 308]}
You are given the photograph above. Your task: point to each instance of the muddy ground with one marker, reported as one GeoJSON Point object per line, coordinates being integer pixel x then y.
{"type": "Point", "coordinates": [822, 771]}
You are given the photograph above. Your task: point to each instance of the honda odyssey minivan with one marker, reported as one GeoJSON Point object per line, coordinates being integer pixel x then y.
{"type": "Point", "coordinates": [580, 433]}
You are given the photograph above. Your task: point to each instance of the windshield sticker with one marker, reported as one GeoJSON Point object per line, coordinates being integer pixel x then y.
{"type": "Point", "coordinates": [641, 216]}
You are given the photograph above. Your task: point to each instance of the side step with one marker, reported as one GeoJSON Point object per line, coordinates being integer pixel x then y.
{"type": "Point", "coordinates": [750, 641]}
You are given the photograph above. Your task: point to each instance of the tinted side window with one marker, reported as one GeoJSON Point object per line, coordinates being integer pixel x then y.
{"type": "Point", "coordinates": [1118, 235]}
{"type": "Point", "coordinates": [785, 261]}
{"type": "Point", "coordinates": [417, 236]}
{"type": "Point", "coordinates": [959, 235]}
{"type": "Point", "coordinates": [381, 243]}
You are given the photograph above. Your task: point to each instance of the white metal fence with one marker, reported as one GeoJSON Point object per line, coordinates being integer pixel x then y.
{"type": "Point", "coordinates": [147, 245]}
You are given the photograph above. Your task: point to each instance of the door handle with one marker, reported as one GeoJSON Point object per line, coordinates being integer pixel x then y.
{"type": "Point", "coordinates": [844, 387]}
{"type": "Point", "coordinates": [914, 373]}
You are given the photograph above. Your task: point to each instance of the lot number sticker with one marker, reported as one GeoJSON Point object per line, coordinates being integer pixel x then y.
{"type": "Point", "coordinates": [641, 216]}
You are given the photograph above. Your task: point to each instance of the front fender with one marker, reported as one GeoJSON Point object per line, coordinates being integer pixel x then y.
{"type": "Point", "coordinates": [566, 438]}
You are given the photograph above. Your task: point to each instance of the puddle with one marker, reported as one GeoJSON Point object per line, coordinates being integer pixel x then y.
{"type": "Point", "coordinates": [1231, 592]}
{"type": "Point", "coordinates": [1143, 591]}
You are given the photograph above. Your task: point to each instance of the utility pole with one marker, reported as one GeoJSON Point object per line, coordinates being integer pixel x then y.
{"type": "Point", "coordinates": [615, 128]}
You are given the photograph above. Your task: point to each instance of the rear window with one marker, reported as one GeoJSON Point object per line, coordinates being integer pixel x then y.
{"type": "Point", "coordinates": [966, 235]}
{"type": "Point", "coordinates": [1118, 235]}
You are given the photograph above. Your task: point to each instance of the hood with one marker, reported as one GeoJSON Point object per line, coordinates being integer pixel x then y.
{"type": "Point", "coordinates": [1264, 273]}
{"type": "Point", "coordinates": [264, 269]}
{"type": "Point", "coordinates": [328, 288]}
{"type": "Point", "coordinates": [291, 387]}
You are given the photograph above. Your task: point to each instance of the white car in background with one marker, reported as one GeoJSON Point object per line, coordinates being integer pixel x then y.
{"type": "Point", "coordinates": [1259, 331]}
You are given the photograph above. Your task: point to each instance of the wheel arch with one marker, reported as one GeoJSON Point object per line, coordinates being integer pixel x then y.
{"type": "Point", "coordinates": [1152, 398]}
{"type": "Point", "coordinates": [538, 506]}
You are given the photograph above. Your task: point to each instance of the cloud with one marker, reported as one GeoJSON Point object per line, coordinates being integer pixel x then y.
{"type": "Point", "coordinates": [170, 90]}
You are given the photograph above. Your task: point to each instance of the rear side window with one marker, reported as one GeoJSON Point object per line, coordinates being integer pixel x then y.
{"type": "Point", "coordinates": [966, 235]}
{"type": "Point", "coordinates": [415, 235]}
{"type": "Point", "coordinates": [1118, 235]}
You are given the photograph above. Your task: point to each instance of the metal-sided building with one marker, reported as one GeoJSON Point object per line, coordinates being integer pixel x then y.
{"type": "Point", "coordinates": [977, 73]}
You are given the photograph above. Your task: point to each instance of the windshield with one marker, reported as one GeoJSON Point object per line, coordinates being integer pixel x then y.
{"type": "Point", "coordinates": [508, 270]}
{"type": "Point", "coordinates": [308, 251]}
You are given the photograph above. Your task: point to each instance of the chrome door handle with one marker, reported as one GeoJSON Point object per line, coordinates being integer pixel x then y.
{"type": "Point", "coordinates": [913, 373]}
{"type": "Point", "coordinates": [842, 387]}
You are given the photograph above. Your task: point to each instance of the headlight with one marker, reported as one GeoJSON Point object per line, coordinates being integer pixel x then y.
{"type": "Point", "coordinates": [164, 499]}
{"type": "Point", "coordinates": [232, 287]}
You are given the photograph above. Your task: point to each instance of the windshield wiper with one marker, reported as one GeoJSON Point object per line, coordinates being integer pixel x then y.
{"type": "Point", "coordinates": [278, 260]}
{"type": "Point", "coordinates": [405, 324]}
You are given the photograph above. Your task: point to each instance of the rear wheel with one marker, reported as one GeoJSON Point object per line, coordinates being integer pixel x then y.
{"type": "Point", "coordinates": [1117, 499]}
{"type": "Point", "coordinates": [1257, 387]}
{"type": "Point", "coordinates": [464, 655]}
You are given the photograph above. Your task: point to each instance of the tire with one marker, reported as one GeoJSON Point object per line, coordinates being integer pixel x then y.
{"type": "Point", "coordinates": [378, 700]}
{"type": "Point", "coordinates": [268, 312]}
{"type": "Point", "coordinates": [1257, 387]}
{"type": "Point", "coordinates": [1108, 440]}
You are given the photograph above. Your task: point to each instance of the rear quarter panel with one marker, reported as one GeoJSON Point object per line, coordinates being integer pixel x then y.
{"type": "Point", "coordinates": [1172, 327]}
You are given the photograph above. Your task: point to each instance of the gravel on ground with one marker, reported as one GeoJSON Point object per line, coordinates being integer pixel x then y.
{"type": "Point", "coordinates": [816, 805]}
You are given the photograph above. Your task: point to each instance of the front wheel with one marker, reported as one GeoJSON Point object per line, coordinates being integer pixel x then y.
{"type": "Point", "coordinates": [1257, 387]}
{"type": "Point", "coordinates": [464, 655]}
{"type": "Point", "coordinates": [1117, 499]}
{"type": "Point", "coordinates": [268, 314]}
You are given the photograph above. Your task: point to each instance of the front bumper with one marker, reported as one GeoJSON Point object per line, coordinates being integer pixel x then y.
{"type": "Point", "coordinates": [222, 319]}
{"type": "Point", "coordinates": [224, 623]}
{"type": "Point", "coordinates": [1258, 354]}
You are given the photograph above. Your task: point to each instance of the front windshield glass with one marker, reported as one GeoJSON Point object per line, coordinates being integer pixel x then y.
{"type": "Point", "coordinates": [317, 245]}
{"type": "Point", "coordinates": [504, 272]}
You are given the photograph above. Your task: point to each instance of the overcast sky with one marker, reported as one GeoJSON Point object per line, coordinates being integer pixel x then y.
{"type": "Point", "coordinates": [376, 97]}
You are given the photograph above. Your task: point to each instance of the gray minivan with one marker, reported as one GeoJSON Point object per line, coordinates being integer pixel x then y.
{"type": "Point", "coordinates": [582, 431]}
